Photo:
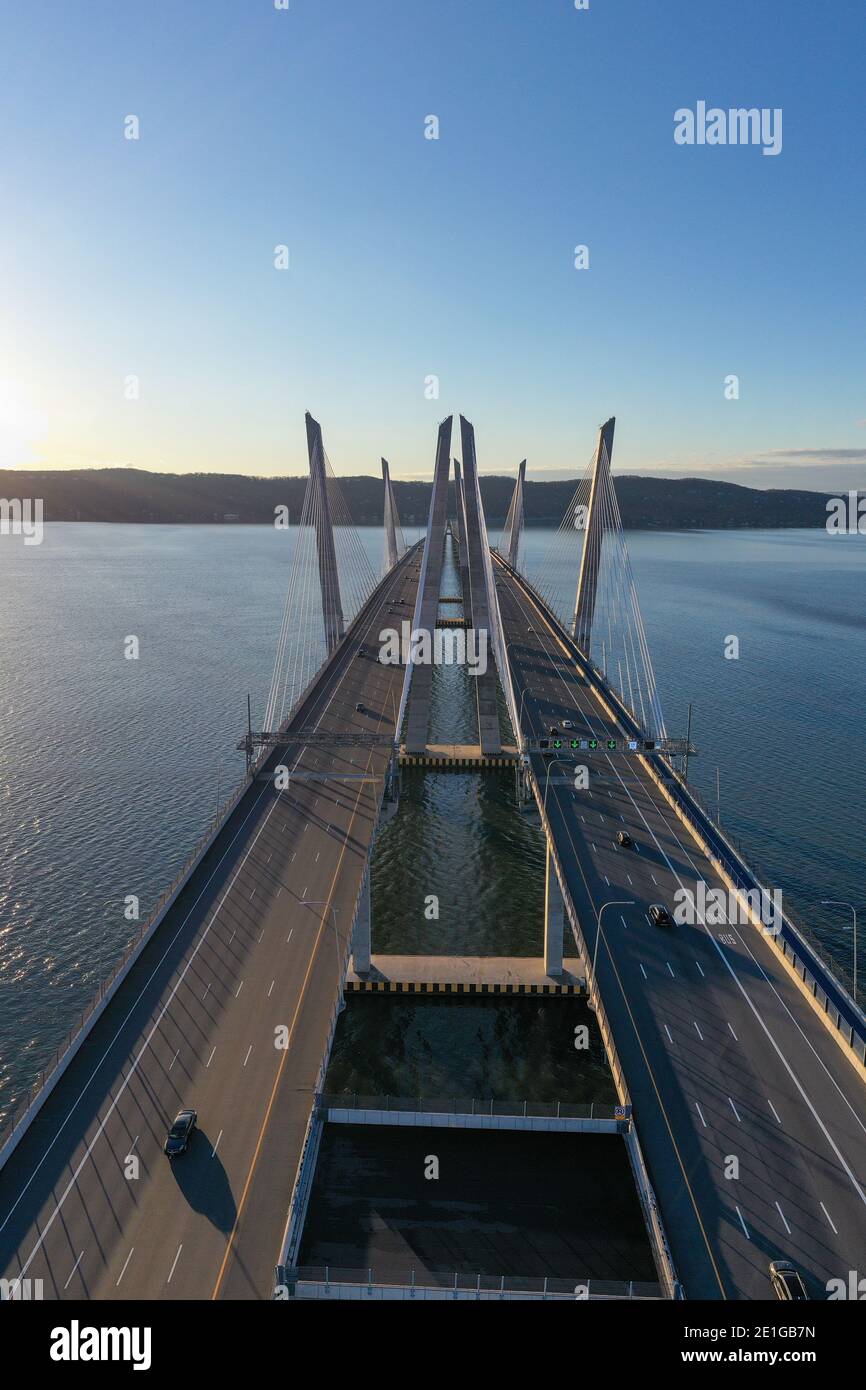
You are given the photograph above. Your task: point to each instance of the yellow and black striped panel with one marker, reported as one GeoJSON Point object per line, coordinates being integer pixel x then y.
{"type": "Point", "coordinates": [432, 988]}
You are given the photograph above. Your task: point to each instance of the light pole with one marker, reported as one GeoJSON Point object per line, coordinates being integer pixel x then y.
{"type": "Point", "coordinates": [564, 763]}
{"type": "Point", "coordinates": [629, 903]}
{"type": "Point", "coordinates": [337, 946]}
{"type": "Point", "coordinates": [835, 902]}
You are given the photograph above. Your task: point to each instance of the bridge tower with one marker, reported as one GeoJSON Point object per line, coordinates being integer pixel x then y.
{"type": "Point", "coordinates": [427, 606]}
{"type": "Point", "coordinates": [329, 580]}
{"type": "Point", "coordinates": [463, 560]}
{"type": "Point", "coordinates": [478, 603]}
{"type": "Point", "coordinates": [514, 521]}
{"type": "Point", "coordinates": [391, 519]}
{"type": "Point", "coordinates": [590, 560]}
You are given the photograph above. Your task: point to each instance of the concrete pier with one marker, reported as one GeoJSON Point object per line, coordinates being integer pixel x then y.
{"type": "Point", "coordinates": [466, 975]}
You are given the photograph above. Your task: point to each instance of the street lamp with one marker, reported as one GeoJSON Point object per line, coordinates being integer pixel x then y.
{"type": "Point", "coordinates": [553, 762]}
{"type": "Point", "coordinates": [835, 902]}
{"type": "Point", "coordinates": [325, 903]}
{"type": "Point", "coordinates": [629, 903]}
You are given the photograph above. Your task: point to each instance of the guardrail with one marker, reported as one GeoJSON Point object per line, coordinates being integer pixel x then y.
{"type": "Point", "coordinates": [526, 1109]}
{"type": "Point", "coordinates": [399, 1283]}
{"type": "Point", "coordinates": [803, 953]}
{"type": "Point", "coordinates": [15, 1123]}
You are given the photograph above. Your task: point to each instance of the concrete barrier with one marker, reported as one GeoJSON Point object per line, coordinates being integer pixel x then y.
{"type": "Point", "coordinates": [813, 977]}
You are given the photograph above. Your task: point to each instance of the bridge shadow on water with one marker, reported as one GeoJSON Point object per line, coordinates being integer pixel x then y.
{"type": "Point", "coordinates": [204, 1182]}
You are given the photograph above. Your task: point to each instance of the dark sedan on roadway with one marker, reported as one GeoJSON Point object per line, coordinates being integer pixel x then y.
{"type": "Point", "coordinates": [178, 1137]}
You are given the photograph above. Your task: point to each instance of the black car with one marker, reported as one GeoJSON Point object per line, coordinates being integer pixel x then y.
{"type": "Point", "coordinates": [659, 916]}
{"type": "Point", "coordinates": [178, 1137]}
{"type": "Point", "coordinates": [623, 838]}
{"type": "Point", "coordinates": [553, 731]}
{"type": "Point", "coordinates": [787, 1281]}
{"type": "Point", "coordinates": [360, 709]}
{"type": "Point", "coordinates": [361, 651]}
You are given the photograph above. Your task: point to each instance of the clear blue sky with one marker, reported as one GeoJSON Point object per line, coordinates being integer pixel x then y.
{"type": "Point", "coordinates": [411, 257]}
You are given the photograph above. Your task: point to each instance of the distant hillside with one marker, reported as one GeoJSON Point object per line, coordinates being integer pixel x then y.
{"type": "Point", "coordinates": [131, 494]}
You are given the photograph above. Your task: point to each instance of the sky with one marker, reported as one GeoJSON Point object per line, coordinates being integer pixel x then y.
{"type": "Point", "coordinates": [146, 323]}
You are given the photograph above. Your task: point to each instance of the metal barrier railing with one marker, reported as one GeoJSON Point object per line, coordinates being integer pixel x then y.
{"type": "Point", "coordinates": [13, 1117]}
{"type": "Point", "coordinates": [407, 1281]}
{"type": "Point", "coordinates": [418, 1105]}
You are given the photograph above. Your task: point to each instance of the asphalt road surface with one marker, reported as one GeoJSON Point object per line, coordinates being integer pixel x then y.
{"type": "Point", "coordinates": [729, 1069]}
{"type": "Point", "coordinates": [89, 1204]}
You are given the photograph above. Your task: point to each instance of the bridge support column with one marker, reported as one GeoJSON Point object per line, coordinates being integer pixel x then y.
{"type": "Point", "coordinates": [514, 521]}
{"type": "Point", "coordinates": [554, 919]}
{"type": "Point", "coordinates": [391, 521]}
{"type": "Point", "coordinates": [478, 609]}
{"type": "Point", "coordinates": [362, 931]}
{"type": "Point", "coordinates": [420, 674]}
{"type": "Point", "coordinates": [332, 607]}
{"type": "Point", "coordinates": [590, 560]}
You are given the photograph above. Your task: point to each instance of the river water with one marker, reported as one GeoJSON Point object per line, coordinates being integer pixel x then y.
{"type": "Point", "coordinates": [110, 770]}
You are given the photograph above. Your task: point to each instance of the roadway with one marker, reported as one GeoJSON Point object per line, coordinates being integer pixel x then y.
{"type": "Point", "coordinates": [750, 1117]}
{"type": "Point", "coordinates": [88, 1202]}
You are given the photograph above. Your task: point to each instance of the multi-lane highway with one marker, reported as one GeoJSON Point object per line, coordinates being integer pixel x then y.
{"type": "Point", "coordinates": [228, 1011]}
{"type": "Point", "coordinates": [752, 1121]}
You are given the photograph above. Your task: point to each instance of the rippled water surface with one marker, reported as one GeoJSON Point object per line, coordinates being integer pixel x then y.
{"type": "Point", "coordinates": [110, 769]}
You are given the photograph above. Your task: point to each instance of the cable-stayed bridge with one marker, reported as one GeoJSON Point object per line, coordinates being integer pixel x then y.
{"type": "Point", "coordinates": [738, 1057]}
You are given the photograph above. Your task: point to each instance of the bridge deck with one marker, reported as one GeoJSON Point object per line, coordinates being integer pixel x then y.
{"type": "Point", "coordinates": [722, 1055]}
{"type": "Point", "coordinates": [194, 1025]}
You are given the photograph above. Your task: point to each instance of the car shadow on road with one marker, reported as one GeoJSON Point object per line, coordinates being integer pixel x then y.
{"type": "Point", "coordinates": [204, 1182]}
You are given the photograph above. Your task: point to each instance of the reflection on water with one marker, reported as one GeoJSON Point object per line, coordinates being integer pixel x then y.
{"type": "Point", "coordinates": [110, 769]}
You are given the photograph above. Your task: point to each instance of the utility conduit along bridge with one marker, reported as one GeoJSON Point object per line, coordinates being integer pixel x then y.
{"type": "Point", "coordinates": [724, 1041]}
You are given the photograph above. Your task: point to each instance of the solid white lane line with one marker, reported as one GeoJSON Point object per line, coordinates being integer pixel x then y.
{"type": "Point", "coordinates": [829, 1218]}
{"type": "Point", "coordinates": [774, 1110]}
{"type": "Point", "coordinates": [125, 1263]}
{"type": "Point", "coordinates": [174, 1264]}
{"type": "Point", "coordinates": [74, 1267]}
{"type": "Point", "coordinates": [782, 1214]}
{"type": "Point", "coordinates": [755, 1011]}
